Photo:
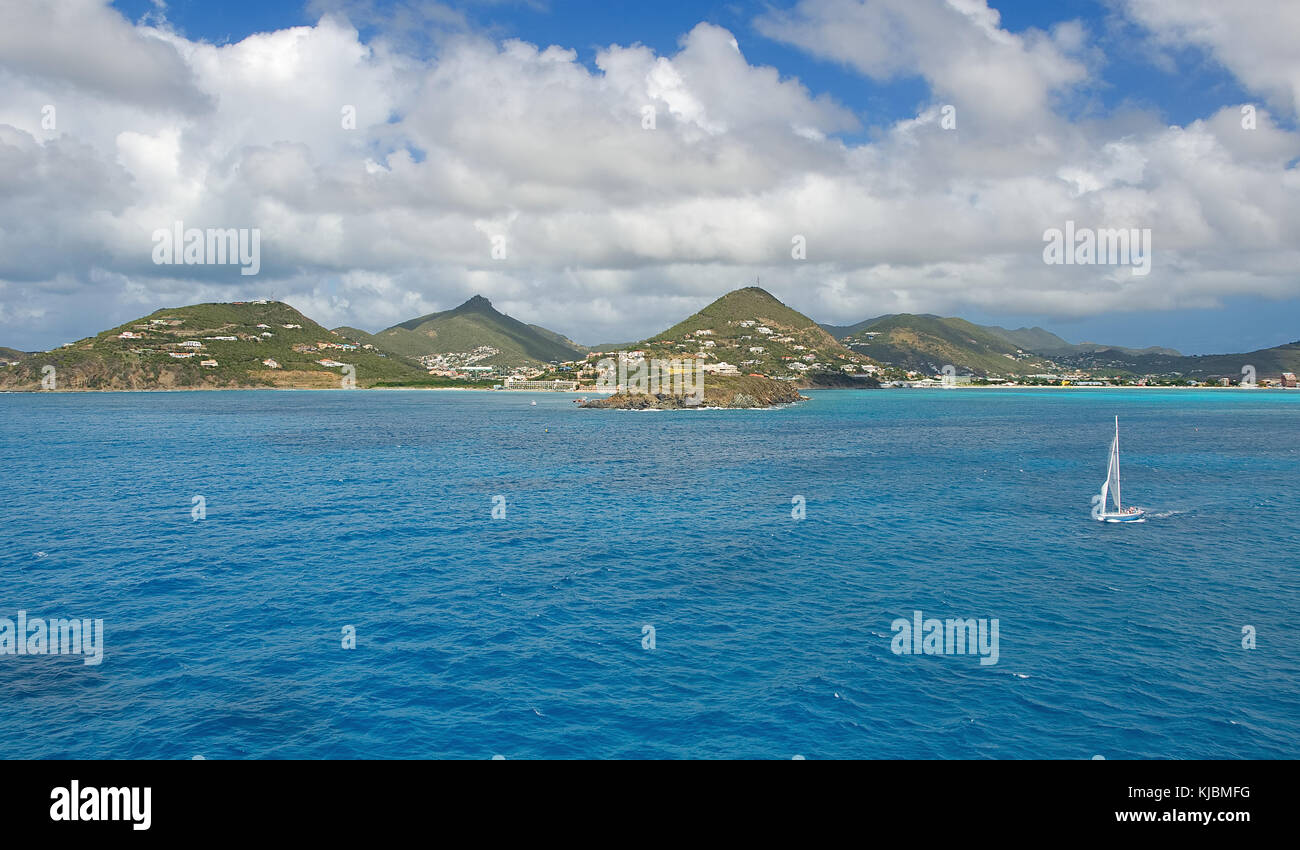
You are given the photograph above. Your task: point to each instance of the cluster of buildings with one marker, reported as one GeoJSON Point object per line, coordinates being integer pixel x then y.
{"type": "Point", "coordinates": [468, 364]}
{"type": "Point", "coordinates": [310, 347]}
{"type": "Point", "coordinates": [755, 347]}
{"type": "Point", "coordinates": [1077, 379]}
{"type": "Point", "coordinates": [161, 333]}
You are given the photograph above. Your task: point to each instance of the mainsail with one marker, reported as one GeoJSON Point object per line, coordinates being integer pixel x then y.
{"type": "Point", "coordinates": [1111, 486]}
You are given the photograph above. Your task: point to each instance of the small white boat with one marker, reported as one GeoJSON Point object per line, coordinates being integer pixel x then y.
{"type": "Point", "coordinates": [1110, 491]}
{"type": "Point", "coordinates": [532, 404]}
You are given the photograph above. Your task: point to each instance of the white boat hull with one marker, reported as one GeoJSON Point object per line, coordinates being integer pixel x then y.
{"type": "Point", "coordinates": [1134, 516]}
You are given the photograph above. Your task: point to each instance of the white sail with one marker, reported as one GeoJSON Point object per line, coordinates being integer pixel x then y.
{"type": "Point", "coordinates": [1105, 485]}
{"type": "Point", "coordinates": [1112, 472]}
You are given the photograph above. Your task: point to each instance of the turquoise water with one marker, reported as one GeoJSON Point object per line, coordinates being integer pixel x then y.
{"type": "Point", "coordinates": [522, 636]}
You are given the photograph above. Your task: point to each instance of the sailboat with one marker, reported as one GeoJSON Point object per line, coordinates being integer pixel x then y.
{"type": "Point", "coordinates": [1110, 490]}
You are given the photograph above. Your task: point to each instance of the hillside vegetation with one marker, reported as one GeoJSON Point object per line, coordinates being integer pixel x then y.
{"type": "Point", "coordinates": [472, 325]}
{"type": "Point", "coordinates": [752, 330]}
{"type": "Point", "coordinates": [140, 354]}
{"type": "Point", "coordinates": [928, 343]}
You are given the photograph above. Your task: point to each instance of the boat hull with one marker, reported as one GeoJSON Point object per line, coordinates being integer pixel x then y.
{"type": "Point", "coordinates": [1136, 516]}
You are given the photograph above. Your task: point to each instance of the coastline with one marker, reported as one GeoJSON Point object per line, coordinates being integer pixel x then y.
{"type": "Point", "coordinates": [966, 388]}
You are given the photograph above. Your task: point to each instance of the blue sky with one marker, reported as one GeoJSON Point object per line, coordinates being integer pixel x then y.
{"type": "Point", "coordinates": [1123, 82]}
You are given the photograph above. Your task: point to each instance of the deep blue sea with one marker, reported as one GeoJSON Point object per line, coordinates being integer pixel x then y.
{"type": "Point", "coordinates": [522, 636]}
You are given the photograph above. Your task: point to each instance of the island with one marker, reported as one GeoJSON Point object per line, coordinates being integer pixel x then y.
{"type": "Point", "coordinates": [720, 392]}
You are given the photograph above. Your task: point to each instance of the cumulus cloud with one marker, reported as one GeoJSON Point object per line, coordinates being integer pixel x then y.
{"type": "Point", "coordinates": [84, 45]}
{"type": "Point", "coordinates": [1256, 41]}
{"type": "Point", "coordinates": [380, 176]}
{"type": "Point", "coordinates": [958, 47]}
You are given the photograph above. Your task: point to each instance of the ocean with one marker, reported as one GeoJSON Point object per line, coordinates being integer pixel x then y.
{"type": "Point", "coordinates": [551, 582]}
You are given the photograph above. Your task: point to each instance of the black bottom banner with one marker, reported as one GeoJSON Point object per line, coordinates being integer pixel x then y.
{"type": "Point", "coordinates": [208, 799]}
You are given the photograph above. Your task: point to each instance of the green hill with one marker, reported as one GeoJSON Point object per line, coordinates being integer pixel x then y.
{"type": "Point", "coordinates": [752, 330]}
{"type": "Point", "coordinates": [842, 331]}
{"type": "Point", "coordinates": [928, 343]}
{"type": "Point", "coordinates": [238, 336]}
{"type": "Point", "coordinates": [1268, 362]}
{"type": "Point", "coordinates": [1033, 340]}
{"type": "Point", "coordinates": [1047, 343]}
{"type": "Point", "coordinates": [11, 354]}
{"type": "Point", "coordinates": [473, 325]}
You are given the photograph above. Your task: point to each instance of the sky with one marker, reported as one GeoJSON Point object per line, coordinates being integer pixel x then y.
{"type": "Point", "coordinates": [857, 157]}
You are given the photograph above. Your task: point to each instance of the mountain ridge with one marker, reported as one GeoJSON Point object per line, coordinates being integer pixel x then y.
{"type": "Point", "coordinates": [473, 324]}
{"type": "Point", "coordinates": [925, 342]}
{"type": "Point", "coordinates": [748, 328]}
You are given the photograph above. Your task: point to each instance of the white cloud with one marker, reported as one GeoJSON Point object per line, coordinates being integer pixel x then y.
{"type": "Point", "coordinates": [1255, 40]}
{"type": "Point", "coordinates": [615, 231]}
{"type": "Point", "coordinates": [996, 78]}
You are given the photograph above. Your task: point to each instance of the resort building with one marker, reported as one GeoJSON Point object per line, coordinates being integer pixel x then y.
{"type": "Point", "coordinates": [513, 383]}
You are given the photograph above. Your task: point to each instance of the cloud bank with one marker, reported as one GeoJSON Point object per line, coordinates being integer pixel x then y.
{"type": "Point", "coordinates": [624, 193]}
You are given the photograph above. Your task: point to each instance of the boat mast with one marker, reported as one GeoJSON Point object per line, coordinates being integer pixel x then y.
{"type": "Point", "coordinates": [1119, 502]}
